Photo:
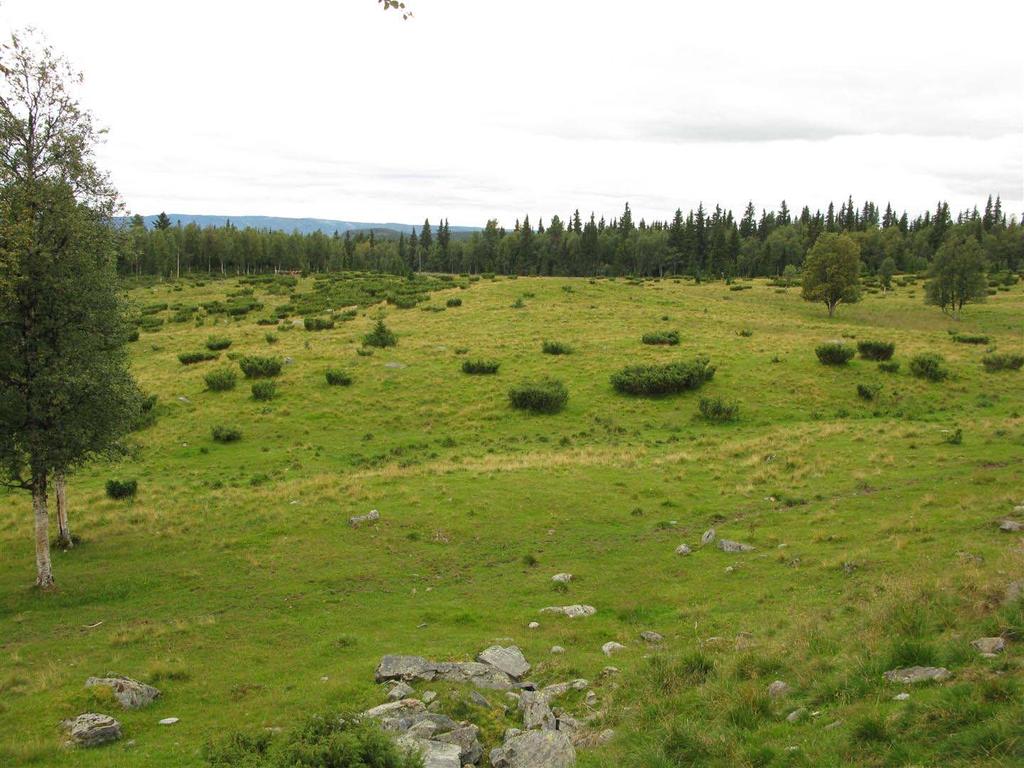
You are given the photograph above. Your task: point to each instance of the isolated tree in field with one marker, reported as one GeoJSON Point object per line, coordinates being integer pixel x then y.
{"type": "Point", "coordinates": [957, 274]}
{"type": "Point", "coordinates": [832, 271]}
{"type": "Point", "coordinates": [65, 391]}
{"type": "Point", "coordinates": [885, 272]}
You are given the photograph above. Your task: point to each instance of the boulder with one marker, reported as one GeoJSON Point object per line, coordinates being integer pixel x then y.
{"type": "Point", "coordinates": [370, 517]}
{"type": "Point", "coordinates": [92, 729]}
{"type": "Point", "coordinates": [130, 694]}
{"type": "Point", "coordinates": [989, 646]}
{"type": "Point", "coordinates": [402, 690]}
{"type": "Point", "coordinates": [683, 549]}
{"type": "Point", "coordinates": [536, 711]}
{"type": "Point", "coordinates": [572, 611]}
{"type": "Point", "coordinates": [707, 537]}
{"type": "Point", "coordinates": [467, 739]}
{"type": "Point", "coordinates": [509, 660]}
{"type": "Point", "coordinates": [562, 578]}
{"type": "Point", "coordinates": [436, 754]}
{"type": "Point", "coordinates": [734, 546]}
{"type": "Point", "coordinates": [651, 637]}
{"type": "Point", "coordinates": [473, 672]}
{"type": "Point", "coordinates": [910, 675]}
{"type": "Point", "coordinates": [557, 649]}
{"type": "Point", "coordinates": [612, 647]}
{"type": "Point", "coordinates": [796, 715]}
{"type": "Point", "coordinates": [392, 709]}
{"type": "Point", "coordinates": [1011, 526]}
{"type": "Point", "coordinates": [535, 749]}
{"type": "Point", "coordinates": [404, 668]}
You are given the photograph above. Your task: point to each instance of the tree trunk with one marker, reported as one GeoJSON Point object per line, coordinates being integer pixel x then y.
{"type": "Point", "coordinates": [63, 529]}
{"type": "Point", "coordinates": [831, 309]}
{"type": "Point", "coordinates": [44, 571]}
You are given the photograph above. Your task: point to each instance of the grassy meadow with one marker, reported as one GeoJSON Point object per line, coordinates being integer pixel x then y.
{"type": "Point", "coordinates": [234, 582]}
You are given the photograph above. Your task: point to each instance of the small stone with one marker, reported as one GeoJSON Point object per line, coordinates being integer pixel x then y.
{"type": "Point", "coordinates": [683, 549]}
{"type": "Point", "coordinates": [590, 699]}
{"type": "Point", "coordinates": [707, 537]}
{"type": "Point", "coordinates": [901, 697]}
{"type": "Point", "coordinates": [370, 517]}
{"type": "Point", "coordinates": [612, 647]}
{"type": "Point", "coordinates": [400, 691]}
{"type": "Point", "coordinates": [989, 646]}
{"type": "Point", "coordinates": [428, 697]}
{"type": "Point", "coordinates": [796, 715]}
{"type": "Point", "coordinates": [562, 578]}
{"type": "Point", "coordinates": [1011, 526]}
{"type": "Point", "coordinates": [168, 721]}
{"type": "Point", "coordinates": [533, 625]}
{"type": "Point", "coordinates": [651, 637]}
{"type": "Point", "coordinates": [92, 729]}
{"type": "Point", "coordinates": [557, 649]}
{"type": "Point", "coordinates": [778, 689]}
{"type": "Point", "coordinates": [479, 699]}
{"type": "Point", "coordinates": [734, 546]}
{"type": "Point", "coordinates": [910, 675]}
{"type": "Point", "coordinates": [609, 671]}
{"type": "Point", "coordinates": [833, 725]}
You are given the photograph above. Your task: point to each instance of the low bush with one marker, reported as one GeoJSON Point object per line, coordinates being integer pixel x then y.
{"type": "Point", "coordinates": [876, 350]}
{"type": "Point", "coordinates": [1002, 361]}
{"type": "Point", "coordinates": [122, 489]}
{"type": "Point", "coordinates": [190, 358]}
{"type": "Point", "coordinates": [834, 353]}
{"type": "Point", "coordinates": [745, 333]}
{"type": "Point", "coordinates": [264, 390]}
{"type": "Point", "coordinates": [338, 378]}
{"type": "Point", "coordinates": [222, 434]}
{"type": "Point", "coordinates": [271, 338]}
{"type": "Point", "coordinates": [889, 366]}
{"type": "Point", "coordinates": [220, 380]}
{"type": "Point", "coordinates": [480, 366]}
{"type": "Point", "coordinates": [404, 302]}
{"type": "Point", "coordinates": [133, 335]}
{"type": "Point", "coordinates": [540, 396]}
{"type": "Point", "coordinates": [454, 301]}
{"type": "Point", "coordinates": [218, 342]}
{"type": "Point", "coordinates": [663, 379]}
{"type": "Point", "coordinates": [364, 352]}
{"type": "Point", "coordinates": [868, 391]}
{"type": "Point", "coordinates": [929, 365]}
{"type": "Point", "coordinates": [968, 338]}
{"type": "Point", "coordinates": [670, 338]}
{"type": "Point", "coordinates": [717, 410]}
{"type": "Point", "coordinates": [381, 336]}
{"type": "Point", "coordinates": [317, 323]}
{"type": "Point", "coordinates": [256, 367]}
{"type": "Point", "coordinates": [555, 348]}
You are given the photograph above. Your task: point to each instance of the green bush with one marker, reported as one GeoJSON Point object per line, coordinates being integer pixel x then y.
{"type": "Point", "coordinates": [122, 489]}
{"type": "Point", "coordinates": [404, 302]}
{"type": "Point", "coordinates": [454, 301]}
{"type": "Point", "coordinates": [1002, 361]}
{"type": "Point", "coordinates": [223, 434]}
{"type": "Point", "coordinates": [133, 335]}
{"type": "Point", "coordinates": [317, 323]}
{"type": "Point", "coordinates": [540, 396]}
{"type": "Point", "coordinates": [717, 410]}
{"type": "Point", "coordinates": [663, 379]}
{"type": "Point", "coordinates": [338, 378]}
{"type": "Point", "coordinates": [271, 338]}
{"type": "Point", "coordinates": [218, 342]}
{"type": "Point", "coordinates": [264, 390]}
{"type": "Point", "coordinates": [889, 366]}
{"type": "Point", "coordinates": [876, 350]}
{"type": "Point", "coordinates": [480, 366]}
{"type": "Point", "coordinates": [868, 391]}
{"type": "Point", "coordinates": [556, 348]}
{"type": "Point", "coordinates": [190, 358]}
{"type": "Point", "coordinates": [670, 338]}
{"type": "Point", "coordinates": [967, 338]}
{"type": "Point", "coordinates": [834, 353]}
{"type": "Point", "coordinates": [381, 336]}
{"type": "Point", "coordinates": [257, 367]}
{"type": "Point", "coordinates": [220, 380]}
{"type": "Point", "coordinates": [929, 365]}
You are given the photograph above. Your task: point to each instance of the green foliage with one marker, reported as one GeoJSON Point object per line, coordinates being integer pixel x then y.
{"type": "Point", "coordinates": [670, 338]}
{"type": "Point", "coordinates": [317, 323]}
{"type": "Point", "coordinates": [889, 366]}
{"type": "Point", "coordinates": [540, 396]}
{"type": "Point", "coordinates": [957, 274]}
{"type": "Point", "coordinates": [191, 358]}
{"type": "Point", "coordinates": [220, 380]}
{"type": "Point", "coordinates": [876, 350]}
{"type": "Point", "coordinates": [223, 434]}
{"type": "Point", "coordinates": [968, 338]}
{"type": "Point", "coordinates": [717, 410]}
{"type": "Point", "coordinates": [258, 367]}
{"type": "Point", "coordinates": [928, 365]}
{"type": "Point", "coordinates": [834, 353]}
{"type": "Point", "coordinates": [122, 489]}
{"type": "Point", "coordinates": [653, 380]}
{"type": "Point", "coordinates": [555, 348]}
{"type": "Point", "coordinates": [454, 301]}
{"type": "Point", "coordinates": [271, 338]}
{"type": "Point", "coordinates": [1002, 361]}
{"type": "Point", "coordinates": [264, 390]}
{"type": "Point", "coordinates": [381, 336]}
{"type": "Point", "coordinates": [868, 391]}
{"type": "Point", "coordinates": [337, 377]}
{"type": "Point", "coordinates": [831, 271]}
{"type": "Point", "coordinates": [480, 366]}
{"type": "Point", "coordinates": [218, 342]}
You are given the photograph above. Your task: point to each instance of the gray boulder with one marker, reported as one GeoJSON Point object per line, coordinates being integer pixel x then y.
{"type": "Point", "coordinates": [536, 712]}
{"type": "Point", "coordinates": [572, 611]}
{"type": "Point", "coordinates": [402, 690]}
{"type": "Point", "coordinates": [405, 668]}
{"type": "Point", "coordinates": [707, 537]}
{"type": "Point", "coordinates": [370, 517]}
{"type": "Point", "coordinates": [509, 660]}
{"type": "Point", "coordinates": [1011, 526]}
{"type": "Point", "coordinates": [612, 647]}
{"type": "Point", "coordinates": [734, 546]}
{"type": "Point", "coordinates": [683, 549]}
{"type": "Point", "coordinates": [989, 646]}
{"type": "Point", "coordinates": [92, 729]}
{"type": "Point", "coordinates": [467, 739]}
{"type": "Point", "coordinates": [910, 675]}
{"type": "Point", "coordinates": [651, 637]}
{"type": "Point", "coordinates": [130, 694]}
{"type": "Point", "coordinates": [562, 578]}
{"type": "Point", "coordinates": [535, 749]}
{"type": "Point", "coordinates": [436, 754]}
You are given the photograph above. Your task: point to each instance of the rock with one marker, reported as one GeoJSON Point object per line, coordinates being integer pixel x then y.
{"type": "Point", "coordinates": [796, 715]}
{"type": "Point", "coordinates": [1011, 526]}
{"type": "Point", "coordinates": [428, 697]}
{"type": "Point", "coordinates": [562, 578]}
{"type": "Point", "coordinates": [833, 725]}
{"type": "Point", "coordinates": [467, 738]}
{"type": "Point", "coordinates": [402, 690]}
{"type": "Point", "coordinates": [734, 546]}
{"type": "Point", "coordinates": [557, 649]}
{"type": "Point", "coordinates": [370, 517]}
{"type": "Point", "coordinates": [403, 668]}
{"type": "Point", "coordinates": [436, 754]}
{"type": "Point", "coordinates": [479, 699]}
{"type": "Point", "coordinates": [778, 689]}
{"type": "Point", "coordinates": [651, 637]}
{"type": "Point", "coordinates": [409, 668]}
{"type": "Point", "coordinates": [92, 729]}
{"type": "Point", "coordinates": [183, 399]}
{"type": "Point", "coordinates": [533, 625]}
{"type": "Point", "coordinates": [509, 660]}
{"type": "Point", "coordinates": [536, 711]}
{"type": "Point", "coordinates": [910, 675]}
{"type": "Point", "coordinates": [394, 365]}
{"type": "Point", "coordinates": [683, 549]}
{"type": "Point", "coordinates": [130, 694]}
{"type": "Point", "coordinates": [167, 721]}
{"type": "Point", "coordinates": [612, 647]}
{"type": "Point", "coordinates": [901, 697]}
{"type": "Point", "coordinates": [555, 690]}
{"type": "Point", "coordinates": [421, 729]}
{"type": "Point", "coordinates": [1014, 590]}
{"type": "Point", "coordinates": [392, 709]}
{"type": "Point", "coordinates": [289, 361]}
{"type": "Point", "coordinates": [535, 749]}
{"type": "Point", "coordinates": [591, 699]}
{"type": "Point", "coordinates": [609, 671]}
{"type": "Point", "coordinates": [707, 537]}
{"type": "Point", "coordinates": [989, 646]}
{"type": "Point", "coordinates": [572, 611]}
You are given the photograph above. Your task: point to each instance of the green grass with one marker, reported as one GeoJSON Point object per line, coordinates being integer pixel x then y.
{"type": "Point", "coordinates": [234, 583]}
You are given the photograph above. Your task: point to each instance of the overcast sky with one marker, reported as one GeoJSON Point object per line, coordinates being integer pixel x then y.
{"type": "Point", "coordinates": [485, 108]}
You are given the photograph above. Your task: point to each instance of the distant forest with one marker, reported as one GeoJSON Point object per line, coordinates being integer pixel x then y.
{"type": "Point", "coordinates": [705, 244]}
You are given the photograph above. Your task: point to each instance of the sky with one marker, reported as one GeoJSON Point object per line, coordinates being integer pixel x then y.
{"type": "Point", "coordinates": [478, 109]}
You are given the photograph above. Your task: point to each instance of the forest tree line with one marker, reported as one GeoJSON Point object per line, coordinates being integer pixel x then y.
{"type": "Point", "coordinates": [706, 244]}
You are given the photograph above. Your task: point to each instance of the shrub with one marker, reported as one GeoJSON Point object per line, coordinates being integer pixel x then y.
{"type": "Point", "coordinates": [663, 379]}
{"type": "Point", "coordinates": [381, 336]}
{"type": "Point", "coordinates": [480, 366]}
{"type": "Point", "coordinates": [555, 348]}
{"type": "Point", "coordinates": [967, 338]}
{"type": "Point", "coordinates": [889, 366]}
{"type": "Point", "coordinates": [317, 323]}
{"type": "Point", "coordinates": [220, 380]}
{"type": "Point", "coordinates": [540, 396]}
{"type": "Point", "coordinates": [745, 333]}
{"type": "Point", "coordinates": [454, 301]}
{"type": "Point", "coordinates": [518, 303]}
{"type": "Point", "coordinates": [256, 367]}
{"type": "Point", "coordinates": [364, 352]}
{"type": "Point", "coordinates": [876, 350]}
{"type": "Point", "coordinates": [133, 335]}
{"type": "Point", "coordinates": [271, 338]}
{"type": "Point", "coordinates": [338, 378]}
{"type": "Point", "coordinates": [122, 489]}
{"type": "Point", "coordinates": [223, 434]}
{"type": "Point", "coordinates": [264, 390]}
{"type": "Point", "coordinates": [834, 353]}
{"type": "Point", "coordinates": [929, 365]}
{"type": "Point", "coordinates": [190, 358]}
{"type": "Point", "coordinates": [1002, 361]}
{"type": "Point", "coordinates": [403, 302]}
{"type": "Point", "coordinates": [218, 342]}
{"type": "Point", "coordinates": [670, 338]}
{"type": "Point", "coordinates": [717, 410]}
{"type": "Point", "coordinates": [868, 391]}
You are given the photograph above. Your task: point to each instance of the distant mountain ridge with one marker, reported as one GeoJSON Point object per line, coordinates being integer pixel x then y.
{"type": "Point", "coordinates": [305, 226]}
